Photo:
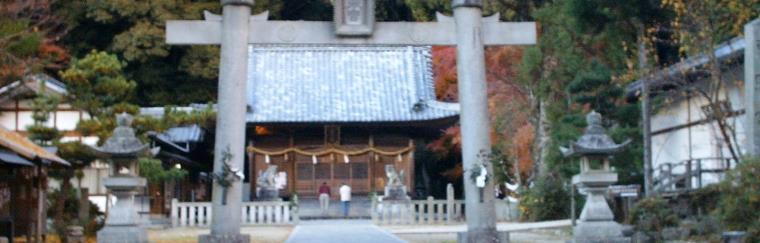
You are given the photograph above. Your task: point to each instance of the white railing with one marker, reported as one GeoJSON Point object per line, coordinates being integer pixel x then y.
{"type": "Point", "coordinates": [418, 212]}
{"type": "Point", "coordinates": [198, 214]}
{"type": "Point", "coordinates": [433, 211]}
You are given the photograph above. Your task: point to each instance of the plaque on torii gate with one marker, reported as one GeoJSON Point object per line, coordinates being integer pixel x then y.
{"type": "Point", "coordinates": [354, 24]}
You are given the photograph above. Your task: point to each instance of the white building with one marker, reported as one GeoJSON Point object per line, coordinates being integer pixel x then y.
{"type": "Point", "coordinates": [16, 114]}
{"type": "Point", "coordinates": [681, 131]}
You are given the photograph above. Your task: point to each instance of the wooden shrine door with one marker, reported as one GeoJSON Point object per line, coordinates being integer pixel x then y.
{"type": "Point", "coordinates": [310, 176]}
{"type": "Point", "coordinates": [305, 184]}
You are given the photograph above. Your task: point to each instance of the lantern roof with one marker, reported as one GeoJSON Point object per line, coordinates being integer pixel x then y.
{"type": "Point", "coordinates": [122, 142]}
{"type": "Point", "coordinates": [594, 141]}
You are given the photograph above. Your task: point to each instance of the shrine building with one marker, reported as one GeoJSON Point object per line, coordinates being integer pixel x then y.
{"type": "Point", "coordinates": [340, 114]}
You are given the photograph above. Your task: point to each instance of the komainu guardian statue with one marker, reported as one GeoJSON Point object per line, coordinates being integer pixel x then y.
{"type": "Point", "coordinates": [394, 187]}
{"type": "Point", "coordinates": [267, 188]}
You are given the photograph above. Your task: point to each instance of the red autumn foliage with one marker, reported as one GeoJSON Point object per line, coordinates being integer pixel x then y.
{"type": "Point", "coordinates": [521, 149]}
{"type": "Point", "coordinates": [508, 104]}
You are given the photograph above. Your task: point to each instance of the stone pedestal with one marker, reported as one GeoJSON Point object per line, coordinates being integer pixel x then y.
{"type": "Point", "coordinates": [597, 222]}
{"type": "Point", "coordinates": [75, 234]}
{"type": "Point", "coordinates": [224, 238]}
{"type": "Point", "coordinates": [393, 193]}
{"type": "Point", "coordinates": [123, 222]}
{"type": "Point", "coordinates": [269, 194]}
{"type": "Point", "coordinates": [395, 211]}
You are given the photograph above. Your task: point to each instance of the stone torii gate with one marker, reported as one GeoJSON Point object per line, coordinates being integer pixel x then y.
{"type": "Point", "coordinates": [354, 24]}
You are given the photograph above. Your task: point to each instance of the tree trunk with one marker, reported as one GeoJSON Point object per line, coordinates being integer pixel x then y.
{"type": "Point", "coordinates": [718, 113]}
{"type": "Point", "coordinates": [542, 142]}
{"type": "Point", "coordinates": [60, 220]}
{"type": "Point", "coordinates": [645, 112]}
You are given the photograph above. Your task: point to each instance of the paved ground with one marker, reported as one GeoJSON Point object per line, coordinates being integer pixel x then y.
{"type": "Point", "coordinates": [535, 236]}
{"type": "Point", "coordinates": [351, 231]}
{"type": "Point", "coordinates": [461, 227]}
{"type": "Point", "coordinates": [309, 208]}
{"type": "Point", "coordinates": [557, 231]}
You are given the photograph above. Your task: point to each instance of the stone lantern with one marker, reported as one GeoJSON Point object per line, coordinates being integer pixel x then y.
{"type": "Point", "coordinates": [595, 148]}
{"type": "Point", "coordinates": [122, 150]}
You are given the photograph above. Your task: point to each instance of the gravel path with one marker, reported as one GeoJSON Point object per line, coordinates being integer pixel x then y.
{"type": "Point", "coordinates": [259, 234]}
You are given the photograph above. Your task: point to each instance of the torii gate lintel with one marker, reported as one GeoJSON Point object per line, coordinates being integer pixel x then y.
{"type": "Point", "coordinates": [263, 31]}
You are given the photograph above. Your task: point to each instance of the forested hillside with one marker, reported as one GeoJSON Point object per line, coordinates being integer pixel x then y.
{"type": "Point", "coordinates": [587, 52]}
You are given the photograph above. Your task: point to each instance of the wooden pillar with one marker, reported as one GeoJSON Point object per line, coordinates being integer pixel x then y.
{"type": "Point", "coordinates": [251, 168]}
{"type": "Point", "coordinates": [40, 218]}
{"type": "Point", "coordinates": [410, 163]}
{"type": "Point", "coordinates": [292, 162]}
{"type": "Point", "coordinates": [371, 165]}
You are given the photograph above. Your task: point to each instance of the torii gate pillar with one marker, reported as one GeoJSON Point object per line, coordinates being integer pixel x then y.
{"type": "Point", "coordinates": [229, 145]}
{"type": "Point", "coordinates": [471, 80]}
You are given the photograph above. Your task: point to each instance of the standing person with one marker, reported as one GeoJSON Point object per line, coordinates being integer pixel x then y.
{"type": "Point", "coordinates": [345, 198]}
{"type": "Point", "coordinates": [324, 197]}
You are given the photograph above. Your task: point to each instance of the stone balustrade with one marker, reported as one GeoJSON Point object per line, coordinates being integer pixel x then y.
{"type": "Point", "coordinates": [418, 212]}
{"type": "Point", "coordinates": [198, 214]}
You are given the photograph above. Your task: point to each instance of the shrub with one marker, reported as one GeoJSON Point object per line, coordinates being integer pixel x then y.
{"type": "Point", "coordinates": [739, 204]}
{"type": "Point", "coordinates": [706, 199]}
{"type": "Point", "coordinates": [71, 213]}
{"type": "Point", "coordinates": [547, 199]}
{"type": "Point", "coordinates": [652, 215]}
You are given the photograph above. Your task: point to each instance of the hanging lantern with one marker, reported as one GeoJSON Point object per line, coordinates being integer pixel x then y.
{"type": "Point", "coordinates": [345, 158]}
{"type": "Point", "coordinates": [314, 159]}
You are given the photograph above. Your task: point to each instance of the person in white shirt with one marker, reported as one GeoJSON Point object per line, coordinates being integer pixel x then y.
{"type": "Point", "coordinates": [345, 198]}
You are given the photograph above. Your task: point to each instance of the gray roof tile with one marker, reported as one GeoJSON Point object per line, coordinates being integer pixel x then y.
{"type": "Point", "coordinates": [342, 84]}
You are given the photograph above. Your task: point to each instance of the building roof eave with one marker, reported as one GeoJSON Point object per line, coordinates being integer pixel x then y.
{"type": "Point", "coordinates": [727, 51]}
{"type": "Point", "coordinates": [27, 149]}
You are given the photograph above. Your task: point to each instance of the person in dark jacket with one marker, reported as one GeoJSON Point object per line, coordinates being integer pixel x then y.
{"type": "Point", "coordinates": [324, 197]}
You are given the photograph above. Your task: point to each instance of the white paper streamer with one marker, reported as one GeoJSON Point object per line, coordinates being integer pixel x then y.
{"type": "Point", "coordinates": [345, 158]}
{"type": "Point", "coordinates": [267, 159]}
{"type": "Point", "coordinates": [314, 159]}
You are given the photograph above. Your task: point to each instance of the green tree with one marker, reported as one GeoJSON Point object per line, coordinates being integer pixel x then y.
{"type": "Point", "coordinates": [96, 83]}
{"type": "Point", "coordinates": [582, 60]}
{"type": "Point", "coordinates": [154, 171]}
{"type": "Point", "coordinates": [28, 30]}
{"type": "Point", "coordinates": [39, 132]}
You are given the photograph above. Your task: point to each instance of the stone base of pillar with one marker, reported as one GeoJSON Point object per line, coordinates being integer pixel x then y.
{"type": "Point", "coordinates": [599, 232]}
{"type": "Point", "coordinates": [481, 237]}
{"type": "Point", "coordinates": [122, 234]}
{"type": "Point", "coordinates": [238, 238]}
{"type": "Point", "coordinates": [75, 234]}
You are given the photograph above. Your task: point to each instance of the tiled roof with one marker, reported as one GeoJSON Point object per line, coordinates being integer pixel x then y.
{"type": "Point", "coordinates": [342, 84]}
{"type": "Point", "coordinates": [183, 134]}
{"type": "Point", "coordinates": [32, 84]}
{"type": "Point", "coordinates": [158, 112]}
{"type": "Point", "coordinates": [13, 158]}
{"type": "Point", "coordinates": [22, 146]}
